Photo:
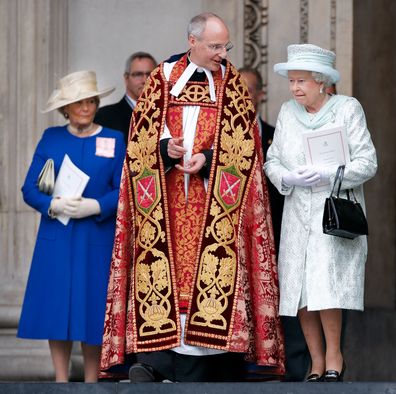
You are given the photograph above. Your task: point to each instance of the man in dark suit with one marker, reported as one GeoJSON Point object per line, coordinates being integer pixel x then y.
{"type": "Point", "coordinates": [117, 116]}
{"type": "Point", "coordinates": [297, 355]}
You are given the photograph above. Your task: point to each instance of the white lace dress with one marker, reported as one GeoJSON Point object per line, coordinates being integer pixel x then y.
{"type": "Point", "coordinates": [319, 271]}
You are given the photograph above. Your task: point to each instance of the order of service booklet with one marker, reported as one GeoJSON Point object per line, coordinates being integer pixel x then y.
{"type": "Point", "coordinates": [70, 182]}
{"type": "Point", "coordinates": [326, 148]}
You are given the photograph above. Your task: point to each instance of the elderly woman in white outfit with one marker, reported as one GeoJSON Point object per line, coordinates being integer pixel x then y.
{"type": "Point", "coordinates": [319, 274]}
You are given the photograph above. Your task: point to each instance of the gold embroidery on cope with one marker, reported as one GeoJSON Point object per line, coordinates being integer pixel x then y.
{"type": "Point", "coordinates": [152, 278]}
{"type": "Point", "coordinates": [218, 262]}
{"type": "Point", "coordinates": [195, 93]}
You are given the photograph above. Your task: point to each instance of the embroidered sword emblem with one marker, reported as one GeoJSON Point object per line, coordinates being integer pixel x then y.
{"type": "Point", "coordinates": [229, 191]}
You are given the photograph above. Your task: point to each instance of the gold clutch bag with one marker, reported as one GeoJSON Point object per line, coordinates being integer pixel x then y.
{"type": "Point", "coordinates": [46, 178]}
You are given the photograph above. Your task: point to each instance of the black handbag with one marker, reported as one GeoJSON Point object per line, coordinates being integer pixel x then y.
{"type": "Point", "coordinates": [343, 217]}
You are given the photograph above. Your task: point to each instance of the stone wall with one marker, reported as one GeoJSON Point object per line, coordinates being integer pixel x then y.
{"type": "Point", "coordinates": [374, 82]}
{"type": "Point", "coordinates": [370, 340]}
{"type": "Point", "coordinates": [33, 37]}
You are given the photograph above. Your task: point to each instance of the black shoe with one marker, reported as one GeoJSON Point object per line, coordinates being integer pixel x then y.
{"type": "Point", "coordinates": [141, 373]}
{"type": "Point", "coordinates": [334, 376]}
{"type": "Point", "coordinates": [314, 377]}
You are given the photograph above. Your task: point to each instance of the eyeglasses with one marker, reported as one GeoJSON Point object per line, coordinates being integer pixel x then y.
{"type": "Point", "coordinates": [139, 74]}
{"type": "Point", "coordinates": [220, 47]}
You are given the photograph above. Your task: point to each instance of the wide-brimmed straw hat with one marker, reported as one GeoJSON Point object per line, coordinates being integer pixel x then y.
{"type": "Point", "coordinates": [75, 87]}
{"type": "Point", "coordinates": [308, 57]}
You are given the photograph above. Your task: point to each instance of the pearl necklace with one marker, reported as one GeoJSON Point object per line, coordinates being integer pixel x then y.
{"type": "Point", "coordinates": [82, 131]}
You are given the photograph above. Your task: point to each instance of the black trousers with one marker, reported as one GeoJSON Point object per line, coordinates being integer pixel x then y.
{"type": "Point", "coordinates": [224, 367]}
{"type": "Point", "coordinates": [298, 359]}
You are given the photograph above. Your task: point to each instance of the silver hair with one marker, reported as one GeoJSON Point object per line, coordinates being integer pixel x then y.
{"type": "Point", "coordinates": [138, 55]}
{"type": "Point", "coordinates": [322, 78]}
{"type": "Point", "coordinates": [198, 23]}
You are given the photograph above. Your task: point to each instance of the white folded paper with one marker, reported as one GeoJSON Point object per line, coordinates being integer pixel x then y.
{"type": "Point", "coordinates": [326, 148]}
{"type": "Point", "coordinates": [70, 182]}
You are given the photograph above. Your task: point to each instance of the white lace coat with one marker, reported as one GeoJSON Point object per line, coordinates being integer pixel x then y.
{"type": "Point", "coordinates": [317, 270]}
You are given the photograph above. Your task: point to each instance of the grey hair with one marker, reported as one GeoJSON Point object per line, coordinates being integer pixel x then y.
{"type": "Point", "coordinates": [198, 23]}
{"type": "Point", "coordinates": [322, 78]}
{"type": "Point", "coordinates": [138, 55]}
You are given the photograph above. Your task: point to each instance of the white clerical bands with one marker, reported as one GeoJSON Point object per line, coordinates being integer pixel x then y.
{"type": "Point", "coordinates": [185, 77]}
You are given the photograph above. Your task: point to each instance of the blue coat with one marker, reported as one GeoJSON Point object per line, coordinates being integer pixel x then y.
{"type": "Point", "coordinates": [66, 291]}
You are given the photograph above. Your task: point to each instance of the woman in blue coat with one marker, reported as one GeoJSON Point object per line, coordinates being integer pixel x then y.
{"type": "Point", "coordinates": [66, 291]}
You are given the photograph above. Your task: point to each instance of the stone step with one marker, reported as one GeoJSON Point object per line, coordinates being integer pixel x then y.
{"type": "Point", "coordinates": [23, 359]}
{"type": "Point", "coordinates": [199, 388]}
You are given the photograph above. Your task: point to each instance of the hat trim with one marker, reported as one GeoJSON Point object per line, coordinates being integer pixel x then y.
{"type": "Point", "coordinates": [283, 68]}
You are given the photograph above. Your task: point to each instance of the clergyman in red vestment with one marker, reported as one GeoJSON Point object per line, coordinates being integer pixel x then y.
{"type": "Point", "coordinates": [193, 286]}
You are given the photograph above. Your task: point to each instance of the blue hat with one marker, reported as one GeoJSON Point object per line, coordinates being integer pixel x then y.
{"type": "Point", "coordinates": [308, 57]}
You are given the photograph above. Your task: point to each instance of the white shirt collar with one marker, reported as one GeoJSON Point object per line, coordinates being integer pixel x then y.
{"type": "Point", "coordinates": [185, 77]}
{"type": "Point", "coordinates": [130, 101]}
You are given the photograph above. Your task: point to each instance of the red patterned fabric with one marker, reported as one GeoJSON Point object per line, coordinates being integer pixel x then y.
{"type": "Point", "coordinates": [186, 216]}
{"type": "Point", "coordinates": [232, 278]}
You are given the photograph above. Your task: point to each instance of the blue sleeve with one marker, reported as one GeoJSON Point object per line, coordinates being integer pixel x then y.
{"type": "Point", "coordinates": [31, 194]}
{"type": "Point", "coordinates": [109, 201]}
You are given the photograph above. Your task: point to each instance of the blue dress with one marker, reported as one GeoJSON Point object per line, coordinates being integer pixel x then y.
{"type": "Point", "coordinates": [65, 296]}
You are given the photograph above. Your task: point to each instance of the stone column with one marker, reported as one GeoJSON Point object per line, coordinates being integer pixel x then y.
{"type": "Point", "coordinates": [33, 40]}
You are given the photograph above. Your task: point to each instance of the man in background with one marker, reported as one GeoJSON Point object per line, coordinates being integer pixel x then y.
{"type": "Point", "coordinates": [117, 116]}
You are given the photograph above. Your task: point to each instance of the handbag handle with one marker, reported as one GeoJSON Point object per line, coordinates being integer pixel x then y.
{"type": "Point", "coordinates": [338, 178]}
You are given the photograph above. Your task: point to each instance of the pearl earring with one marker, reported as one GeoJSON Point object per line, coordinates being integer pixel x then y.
{"type": "Point", "coordinates": [321, 90]}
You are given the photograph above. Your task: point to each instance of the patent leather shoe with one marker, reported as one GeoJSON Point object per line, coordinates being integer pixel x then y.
{"type": "Point", "coordinates": [314, 377]}
{"type": "Point", "coordinates": [332, 375]}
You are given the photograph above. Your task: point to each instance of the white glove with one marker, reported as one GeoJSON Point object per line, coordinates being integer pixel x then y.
{"type": "Point", "coordinates": [78, 208]}
{"type": "Point", "coordinates": [324, 172]}
{"type": "Point", "coordinates": [57, 206]}
{"type": "Point", "coordinates": [302, 176]}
